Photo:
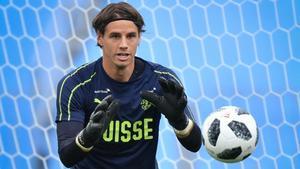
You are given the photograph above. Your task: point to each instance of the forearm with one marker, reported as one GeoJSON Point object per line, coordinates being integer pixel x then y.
{"type": "Point", "coordinates": [69, 152]}
{"type": "Point", "coordinates": [190, 137]}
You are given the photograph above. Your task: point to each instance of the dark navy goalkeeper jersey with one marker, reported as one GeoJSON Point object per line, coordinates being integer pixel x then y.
{"type": "Point", "coordinates": [131, 139]}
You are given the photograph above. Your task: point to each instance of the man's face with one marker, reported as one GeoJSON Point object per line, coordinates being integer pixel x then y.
{"type": "Point", "coordinates": [119, 43]}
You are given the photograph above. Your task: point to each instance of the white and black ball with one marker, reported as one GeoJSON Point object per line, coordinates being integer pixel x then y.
{"type": "Point", "coordinates": [230, 134]}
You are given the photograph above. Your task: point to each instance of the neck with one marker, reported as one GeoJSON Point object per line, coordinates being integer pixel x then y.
{"type": "Point", "coordinates": [120, 74]}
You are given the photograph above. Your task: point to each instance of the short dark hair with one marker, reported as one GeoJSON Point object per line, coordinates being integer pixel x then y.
{"type": "Point", "coordinates": [117, 11]}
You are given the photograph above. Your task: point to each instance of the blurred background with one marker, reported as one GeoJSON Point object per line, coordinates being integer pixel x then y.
{"type": "Point", "coordinates": [227, 52]}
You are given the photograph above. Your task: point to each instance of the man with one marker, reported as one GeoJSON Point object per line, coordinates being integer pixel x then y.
{"type": "Point", "coordinates": [108, 111]}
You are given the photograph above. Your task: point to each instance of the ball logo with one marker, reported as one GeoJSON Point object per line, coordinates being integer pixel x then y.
{"type": "Point", "coordinates": [227, 115]}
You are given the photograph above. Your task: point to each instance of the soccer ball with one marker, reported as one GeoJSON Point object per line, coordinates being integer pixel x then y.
{"type": "Point", "coordinates": [230, 134]}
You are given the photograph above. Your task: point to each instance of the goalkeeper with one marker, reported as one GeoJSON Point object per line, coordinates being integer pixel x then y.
{"type": "Point", "coordinates": [108, 111]}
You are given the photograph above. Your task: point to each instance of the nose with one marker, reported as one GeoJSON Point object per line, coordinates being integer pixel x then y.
{"type": "Point", "coordinates": [123, 43]}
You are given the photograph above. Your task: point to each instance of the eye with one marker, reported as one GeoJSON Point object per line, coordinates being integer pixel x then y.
{"type": "Point", "coordinates": [131, 35]}
{"type": "Point", "coordinates": [114, 36]}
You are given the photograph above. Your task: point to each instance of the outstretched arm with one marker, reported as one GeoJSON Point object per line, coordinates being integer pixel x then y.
{"type": "Point", "coordinates": [75, 142]}
{"type": "Point", "coordinates": [172, 104]}
{"type": "Point", "coordinates": [190, 137]}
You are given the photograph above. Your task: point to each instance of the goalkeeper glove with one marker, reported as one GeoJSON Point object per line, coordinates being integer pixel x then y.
{"type": "Point", "coordinates": [98, 123]}
{"type": "Point", "coordinates": [172, 102]}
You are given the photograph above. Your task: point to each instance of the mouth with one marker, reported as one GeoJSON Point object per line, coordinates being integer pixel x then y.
{"type": "Point", "coordinates": [122, 56]}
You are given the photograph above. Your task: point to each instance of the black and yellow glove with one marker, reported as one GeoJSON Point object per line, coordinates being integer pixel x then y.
{"type": "Point", "coordinates": [171, 104]}
{"type": "Point", "coordinates": [98, 123]}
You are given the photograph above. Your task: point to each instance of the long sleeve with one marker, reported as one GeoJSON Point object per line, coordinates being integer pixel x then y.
{"type": "Point", "coordinates": [69, 152]}
{"type": "Point", "coordinates": [193, 140]}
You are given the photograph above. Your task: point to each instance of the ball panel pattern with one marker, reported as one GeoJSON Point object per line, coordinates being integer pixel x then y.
{"type": "Point", "coordinates": [257, 136]}
{"type": "Point", "coordinates": [214, 132]}
{"type": "Point", "coordinates": [240, 130]}
{"type": "Point", "coordinates": [230, 154]}
{"type": "Point", "coordinates": [241, 112]}
{"type": "Point", "coordinates": [246, 156]}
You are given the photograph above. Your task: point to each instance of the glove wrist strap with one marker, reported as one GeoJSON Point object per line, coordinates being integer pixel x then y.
{"type": "Point", "coordinates": [79, 144]}
{"type": "Point", "coordinates": [185, 132]}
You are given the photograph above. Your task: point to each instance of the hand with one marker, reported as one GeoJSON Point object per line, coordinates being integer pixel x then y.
{"type": "Point", "coordinates": [172, 102]}
{"type": "Point", "coordinates": [99, 121]}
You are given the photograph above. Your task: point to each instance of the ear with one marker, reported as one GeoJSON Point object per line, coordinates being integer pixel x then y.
{"type": "Point", "coordinates": [100, 40]}
{"type": "Point", "coordinates": [139, 40]}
